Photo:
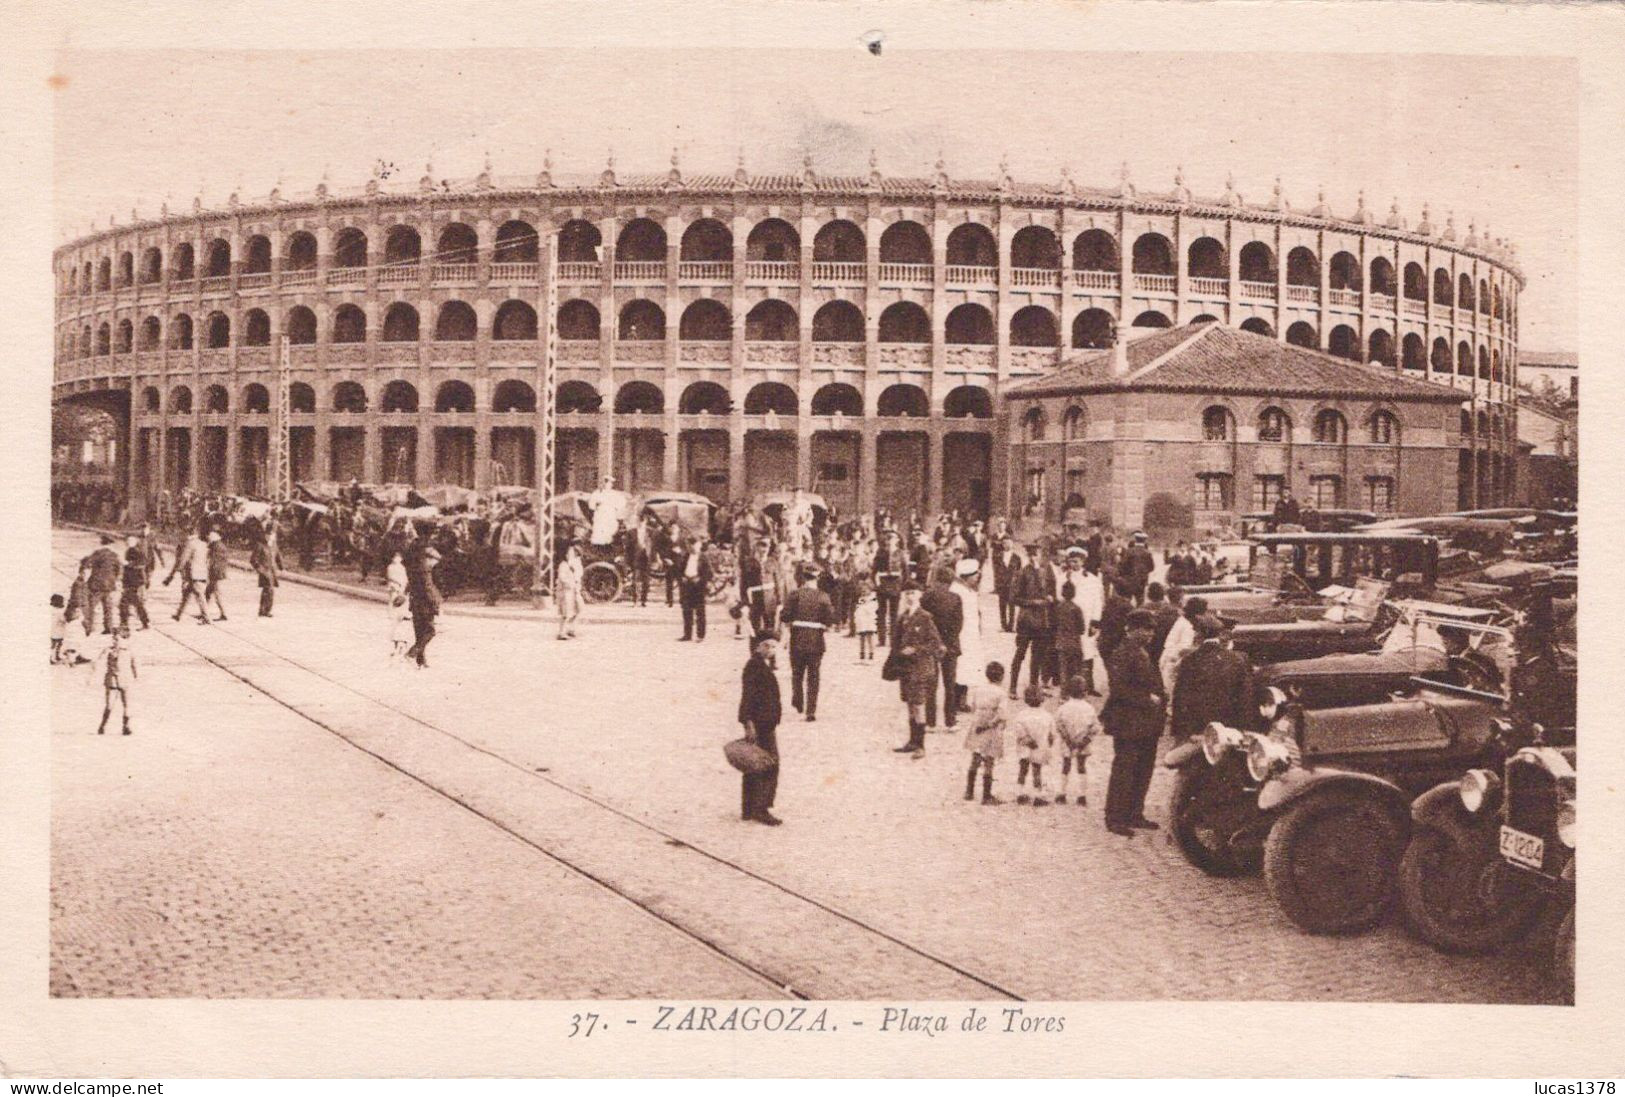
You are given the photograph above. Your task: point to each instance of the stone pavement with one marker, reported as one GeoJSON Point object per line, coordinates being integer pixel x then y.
{"type": "Point", "coordinates": [255, 854]}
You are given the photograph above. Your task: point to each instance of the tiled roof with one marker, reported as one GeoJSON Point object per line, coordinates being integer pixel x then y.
{"type": "Point", "coordinates": [1549, 359]}
{"type": "Point", "coordinates": [1212, 358]}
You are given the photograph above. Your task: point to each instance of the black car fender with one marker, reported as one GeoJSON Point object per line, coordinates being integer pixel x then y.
{"type": "Point", "coordinates": [1441, 807]}
{"type": "Point", "coordinates": [1183, 753]}
{"type": "Point", "coordinates": [1296, 783]}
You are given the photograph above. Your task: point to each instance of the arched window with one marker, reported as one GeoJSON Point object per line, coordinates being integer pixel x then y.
{"type": "Point", "coordinates": [706, 320]}
{"type": "Point", "coordinates": [152, 266]}
{"type": "Point", "coordinates": [456, 323]}
{"type": "Point", "coordinates": [514, 395]}
{"type": "Point", "coordinates": [218, 331]}
{"type": "Point", "coordinates": [968, 402]}
{"type": "Point", "coordinates": [970, 323]}
{"type": "Point", "coordinates": [151, 401]}
{"type": "Point", "coordinates": [1381, 346]}
{"type": "Point", "coordinates": [1033, 424]}
{"type": "Point", "coordinates": [1439, 357]}
{"type": "Point", "coordinates": [516, 243]}
{"type": "Point", "coordinates": [1258, 326]}
{"type": "Point", "coordinates": [349, 324]}
{"type": "Point", "coordinates": [1464, 293]}
{"type": "Point", "coordinates": [578, 397]}
{"type": "Point", "coordinates": [837, 398]}
{"type": "Point", "coordinates": [258, 257]}
{"type": "Point", "coordinates": [705, 398]}
{"type": "Point", "coordinates": [219, 259]}
{"type": "Point", "coordinates": [641, 241]}
{"type": "Point", "coordinates": [515, 320]}
{"type": "Point", "coordinates": [180, 400]}
{"type": "Point", "coordinates": [1092, 329]}
{"type": "Point", "coordinates": [180, 332]}
{"type": "Point", "coordinates": [1206, 259]}
{"type": "Point", "coordinates": [454, 396]}
{"type": "Point", "coordinates": [642, 320]}
{"type": "Point", "coordinates": [1382, 276]}
{"type": "Point", "coordinates": [85, 344]}
{"type": "Point", "coordinates": [402, 246]}
{"type": "Point", "coordinates": [1344, 343]}
{"type": "Point", "coordinates": [300, 324]}
{"type": "Point", "coordinates": [126, 268]}
{"type": "Point", "coordinates": [972, 245]}
{"type": "Point", "coordinates": [257, 399]}
{"type": "Point", "coordinates": [349, 397]}
{"type": "Point", "coordinates": [256, 328]}
{"type": "Point", "coordinates": [1153, 254]}
{"type": "Point", "coordinates": [1035, 248]}
{"type": "Point", "coordinates": [457, 243]}
{"type": "Point", "coordinates": [1344, 273]}
{"type": "Point", "coordinates": [838, 322]}
{"type": "Point", "coordinates": [301, 252]}
{"type": "Point", "coordinates": [151, 333]}
{"type": "Point", "coordinates": [1072, 424]}
{"type": "Point", "coordinates": [1302, 267]}
{"type": "Point", "coordinates": [1464, 360]}
{"type": "Point", "coordinates": [905, 322]}
{"type": "Point", "coordinates": [301, 398]}
{"type": "Point", "coordinates": [773, 241]}
{"type": "Point", "coordinates": [104, 274]}
{"type": "Point", "coordinates": [1483, 363]}
{"type": "Point", "coordinates": [399, 397]}
{"type": "Point", "coordinates": [1412, 356]}
{"type": "Point", "coordinates": [104, 339]}
{"type": "Point", "coordinates": [1152, 319]}
{"type": "Point", "coordinates": [903, 400]}
{"type": "Point", "coordinates": [639, 398]}
{"type": "Point", "coordinates": [215, 400]}
{"type": "Point", "coordinates": [125, 342]}
{"type": "Point", "coordinates": [1218, 425]}
{"type": "Point", "coordinates": [1484, 296]}
{"type": "Point", "coordinates": [1274, 426]}
{"type": "Point", "coordinates": [771, 397]}
{"type": "Point", "coordinates": [1302, 334]}
{"type": "Point", "coordinates": [579, 242]}
{"type": "Point", "coordinates": [1034, 326]}
{"type": "Point", "coordinates": [1095, 249]}
{"type": "Point", "coordinates": [578, 319]}
{"type": "Point", "coordinates": [771, 321]}
{"type": "Point", "coordinates": [1331, 428]}
{"type": "Point", "coordinates": [1257, 262]}
{"type": "Point", "coordinates": [401, 323]}
{"type": "Point", "coordinates": [707, 241]}
{"type": "Point", "coordinates": [905, 242]}
{"type": "Point", "coordinates": [839, 242]}
{"type": "Point", "coordinates": [1443, 292]}
{"type": "Point", "coordinates": [1416, 282]}
{"type": "Point", "coordinates": [1384, 428]}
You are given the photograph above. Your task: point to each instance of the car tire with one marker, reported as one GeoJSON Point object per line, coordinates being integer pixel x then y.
{"type": "Point", "coordinates": [1202, 846]}
{"type": "Point", "coordinates": [1455, 893]}
{"type": "Point", "coordinates": [1331, 861]}
{"type": "Point", "coordinates": [600, 583]}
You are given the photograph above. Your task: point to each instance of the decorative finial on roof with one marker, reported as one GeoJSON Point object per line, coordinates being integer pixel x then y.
{"type": "Point", "coordinates": [163, 207]}
{"type": "Point", "coordinates": [741, 176]}
{"type": "Point", "coordinates": [1069, 185]}
{"type": "Point", "coordinates": [1182, 193]}
{"type": "Point", "coordinates": [276, 189]}
{"type": "Point", "coordinates": [1361, 214]}
{"type": "Point", "coordinates": [1277, 196]}
{"type": "Point", "coordinates": [1125, 188]}
{"type": "Point", "coordinates": [483, 180]}
{"type": "Point", "coordinates": [875, 178]}
{"type": "Point", "coordinates": [1321, 209]}
{"type": "Point", "coordinates": [426, 184]}
{"type": "Point", "coordinates": [1231, 197]}
{"type": "Point", "coordinates": [1426, 227]}
{"type": "Point", "coordinates": [809, 177]}
{"type": "Point", "coordinates": [674, 177]}
{"type": "Point", "coordinates": [135, 216]}
{"type": "Point", "coordinates": [940, 169]}
{"type": "Point", "coordinates": [1450, 225]}
{"type": "Point", "coordinates": [372, 180]}
{"type": "Point", "coordinates": [606, 178]}
{"type": "Point", "coordinates": [1395, 221]}
{"type": "Point", "coordinates": [197, 203]}
{"type": "Point", "coordinates": [544, 178]}
{"type": "Point", "coordinates": [1472, 234]}
{"type": "Point", "coordinates": [1005, 182]}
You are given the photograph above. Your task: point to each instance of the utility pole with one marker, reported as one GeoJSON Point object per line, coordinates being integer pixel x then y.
{"type": "Point", "coordinates": [546, 426]}
{"type": "Point", "coordinates": [281, 486]}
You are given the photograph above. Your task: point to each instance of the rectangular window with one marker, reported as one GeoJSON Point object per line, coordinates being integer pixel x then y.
{"type": "Point", "coordinates": [1035, 491]}
{"type": "Point", "coordinates": [1074, 483]}
{"type": "Point", "coordinates": [1213, 491]}
{"type": "Point", "coordinates": [1325, 492]}
{"type": "Point", "coordinates": [1267, 492]}
{"type": "Point", "coordinates": [1379, 494]}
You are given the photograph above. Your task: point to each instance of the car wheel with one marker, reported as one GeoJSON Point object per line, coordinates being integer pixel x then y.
{"type": "Point", "coordinates": [600, 583]}
{"type": "Point", "coordinates": [1456, 893]}
{"type": "Point", "coordinates": [1563, 955]}
{"type": "Point", "coordinates": [1331, 861]}
{"type": "Point", "coordinates": [1206, 808]}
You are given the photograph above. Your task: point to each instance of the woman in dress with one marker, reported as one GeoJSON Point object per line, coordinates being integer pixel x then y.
{"type": "Point", "coordinates": [569, 590]}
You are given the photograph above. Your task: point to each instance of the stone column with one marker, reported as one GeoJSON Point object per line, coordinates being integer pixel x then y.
{"type": "Point", "coordinates": [867, 439]}
{"type": "Point", "coordinates": [933, 465]}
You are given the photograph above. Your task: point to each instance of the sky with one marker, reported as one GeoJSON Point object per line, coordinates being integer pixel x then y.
{"type": "Point", "coordinates": [1491, 139]}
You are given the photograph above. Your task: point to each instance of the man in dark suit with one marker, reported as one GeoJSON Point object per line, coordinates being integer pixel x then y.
{"type": "Point", "coordinates": [669, 546]}
{"type": "Point", "coordinates": [890, 563]}
{"type": "Point", "coordinates": [1287, 512]}
{"type": "Point", "coordinates": [1214, 683]}
{"type": "Point", "coordinates": [1034, 594]}
{"type": "Point", "coordinates": [1113, 619]}
{"type": "Point", "coordinates": [759, 713]}
{"type": "Point", "coordinates": [1006, 566]}
{"type": "Point", "coordinates": [105, 570]}
{"type": "Point", "coordinates": [948, 612]}
{"type": "Point", "coordinates": [693, 587]}
{"type": "Point", "coordinates": [423, 597]}
{"type": "Point", "coordinates": [1133, 718]}
{"type": "Point", "coordinates": [1137, 566]}
{"type": "Point", "coordinates": [753, 586]}
{"type": "Point", "coordinates": [807, 612]}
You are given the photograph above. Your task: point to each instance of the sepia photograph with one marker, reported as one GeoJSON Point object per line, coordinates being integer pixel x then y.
{"type": "Point", "coordinates": [768, 527]}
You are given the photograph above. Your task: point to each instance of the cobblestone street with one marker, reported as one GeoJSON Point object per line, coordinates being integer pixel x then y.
{"type": "Point", "coordinates": [296, 817]}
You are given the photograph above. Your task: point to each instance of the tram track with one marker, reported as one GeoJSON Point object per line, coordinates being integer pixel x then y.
{"type": "Point", "coordinates": [804, 911]}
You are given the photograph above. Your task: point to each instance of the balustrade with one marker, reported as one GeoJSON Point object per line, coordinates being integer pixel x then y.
{"type": "Point", "coordinates": [1036, 277]}
{"type": "Point", "coordinates": [1303, 294]}
{"type": "Point", "coordinates": [905, 356]}
{"type": "Point", "coordinates": [1258, 291]}
{"type": "Point", "coordinates": [1031, 359]}
{"type": "Point", "coordinates": [973, 276]}
{"type": "Point", "coordinates": [580, 272]}
{"type": "Point", "coordinates": [1211, 287]}
{"type": "Point", "coordinates": [513, 273]}
{"type": "Point", "coordinates": [640, 272]}
{"type": "Point", "coordinates": [640, 350]}
{"type": "Point", "coordinates": [765, 271]}
{"type": "Point", "coordinates": [971, 357]}
{"type": "Point", "coordinates": [254, 281]}
{"type": "Point", "coordinates": [837, 354]}
{"type": "Point", "coordinates": [772, 353]}
{"type": "Point", "coordinates": [1415, 308]}
{"type": "Point", "coordinates": [1344, 297]}
{"type": "Point", "coordinates": [406, 274]}
{"type": "Point", "coordinates": [908, 274]}
{"type": "Point", "coordinates": [1095, 279]}
{"type": "Point", "coordinates": [839, 272]}
{"type": "Point", "coordinates": [298, 277]}
{"type": "Point", "coordinates": [706, 271]}
{"type": "Point", "coordinates": [219, 284]}
{"type": "Point", "coordinates": [578, 350]}
{"type": "Point", "coordinates": [347, 276]}
{"type": "Point", "coordinates": [456, 272]}
{"type": "Point", "coordinates": [1154, 283]}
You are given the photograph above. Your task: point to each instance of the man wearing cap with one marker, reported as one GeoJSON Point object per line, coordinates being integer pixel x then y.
{"type": "Point", "coordinates": [1213, 683]}
{"type": "Point", "coordinates": [1137, 567]}
{"type": "Point", "coordinates": [807, 612]}
{"type": "Point", "coordinates": [945, 609]}
{"type": "Point", "coordinates": [753, 585]}
{"type": "Point", "coordinates": [1034, 594]}
{"type": "Point", "coordinates": [105, 567]}
{"type": "Point", "coordinates": [759, 713]}
{"type": "Point", "coordinates": [890, 562]}
{"type": "Point", "coordinates": [918, 647]}
{"type": "Point", "coordinates": [1133, 717]}
{"type": "Point", "coordinates": [1006, 566]}
{"type": "Point", "coordinates": [134, 598]}
{"type": "Point", "coordinates": [424, 598]}
{"type": "Point", "coordinates": [972, 657]}
{"type": "Point", "coordinates": [693, 587]}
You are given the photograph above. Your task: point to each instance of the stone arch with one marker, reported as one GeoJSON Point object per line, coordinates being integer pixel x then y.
{"type": "Point", "coordinates": [217, 331]}
{"type": "Point", "coordinates": [403, 246]}
{"type": "Point", "coordinates": [838, 398]}
{"type": "Point", "coordinates": [454, 396]}
{"type": "Point", "coordinates": [839, 241]}
{"type": "Point", "coordinates": [1382, 428]}
{"type": "Point", "coordinates": [972, 245]}
{"type": "Point", "coordinates": [1151, 318]}
{"type": "Point", "coordinates": [151, 400]}
{"type": "Point", "coordinates": [1464, 292]}
{"type": "Point", "coordinates": [704, 398]}
{"type": "Point", "coordinates": [968, 402]}
{"type": "Point", "coordinates": [515, 395]}
{"type": "Point", "coordinates": [1483, 363]}
{"type": "Point", "coordinates": [905, 322]}
{"type": "Point", "coordinates": [257, 399]}
{"type": "Point", "coordinates": [217, 260]}
{"type": "Point", "coordinates": [399, 396]}
{"type": "Point", "coordinates": [772, 321]}
{"type": "Point", "coordinates": [771, 396]}
{"type": "Point", "coordinates": [903, 400]}
{"type": "Point", "coordinates": [1206, 258]}
{"type": "Point", "coordinates": [256, 328]}
{"type": "Point", "coordinates": [516, 242]}
{"type": "Point", "coordinates": [1092, 329]}
{"type": "Point", "coordinates": [838, 322]}
{"type": "Point", "coordinates": [300, 253]}
{"type": "Point", "coordinates": [104, 339]}
{"type": "Point", "coordinates": [1382, 276]}
{"type": "Point", "coordinates": [349, 324]}
{"type": "Point", "coordinates": [706, 320]}
{"type": "Point", "coordinates": [1330, 427]}
{"type": "Point", "coordinates": [579, 241]}
{"type": "Point", "coordinates": [216, 401]}
{"type": "Point", "coordinates": [1464, 359]}
{"type": "Point", "coordinates": [642, 319]}
{"type": "Point", "coordinates": [1303, 334]}
{"type": "Point", "coordinates": [641, 240]}
{"type": "Point", "coordinates": [349, 396]}
{"type": "Point", "coordinates": [300, 324]}
{"type": "Point", "coordinates": [905, 242]}
{"type": "Point", "coordinates": [1344, 273]}
{"type": "Point", "coordinates": [707, 240]}
{"type": "Point", "coordinates": [350, 249]}
{"type": "Point", "coordinates": [773, 240]}
{"type": "Point", "coordinates": [125, 342]}
{"type": "Point", "coordinates": [1344, 342]}
{"type": "Point", "coordinates": [1381, 348]}
{"type": "Point", "coordinates": [301, 398]}
{"type": "Point", "coordinates": [152, 266]}
{"type": "Point", "coordinates": [1412, 354]}
{"type": "Point", "coordinates": [1258, 326]}
{"type": "Point", "coordinates": [457, 243]}
{"type": "Point", "coordinates": [970, 323]}
{"type": "Point", "coordinates": [401, 323]}
{"type": "Point", "coordinates": [1444, 290]}
{"type": "Point", "coordinates": [580, 397]}
{"type": "Point", "coordinates": [515, 320]}
{"type": "Point", "coordinates": [1035, 248]}
{"type": "Point", "coordinates": [1257, 262]}
{"type": "Point", "coordinates": [1439, 357]}
{"type": "Point", "coordinates": [1274, 424]}
{"type": "Point", "coordinates": [1153, 254]}
{"type": "Point", "coordinates": [1034, 326]}
{"type": "Point", "coordinates": [152, 330]}
{"type": "Point", "coordinates": [1302, 267]}
{"type": "Point", "coordinates": [456, 323]}
{"type": "Point", "coordinates": [180, 400]}
{"type": "Point", "coordinates": [1416, 282]}
{"type": "Point", "coordinates": [1094, 249]}
{"type": "Point", "coordinates": [578, 319]}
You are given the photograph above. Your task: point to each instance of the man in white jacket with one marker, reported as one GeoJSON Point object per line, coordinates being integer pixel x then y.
{"type": "Point", "coordinates": [972, 655]}
{"type": "Point", "coordinates": [1090, 595]}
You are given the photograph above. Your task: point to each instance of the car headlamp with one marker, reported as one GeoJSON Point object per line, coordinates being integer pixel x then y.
{"type": "Point", "coordinates": [1477, 788]}
{"type": "Point", "coordinates": [1218, 740]}
{"type": "Point", "coordinates": [1271, 704]}
{"type": "Point", "coordinates": [1566, 823]}
{"type": "Point", "coordinates": [1266, 757]}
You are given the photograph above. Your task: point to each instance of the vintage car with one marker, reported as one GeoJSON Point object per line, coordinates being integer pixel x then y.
{"type": "Point", "coordinates": [1321, 798]}
{"type": "Point", "coordinates": [1490, 852]}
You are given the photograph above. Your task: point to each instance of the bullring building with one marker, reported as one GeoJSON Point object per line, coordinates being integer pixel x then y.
{"type": "Point", "coordinates": [867, 337]}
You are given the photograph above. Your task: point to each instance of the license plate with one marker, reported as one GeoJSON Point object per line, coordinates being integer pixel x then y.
{"type": "Point", "coordinates": [1522, 849]}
